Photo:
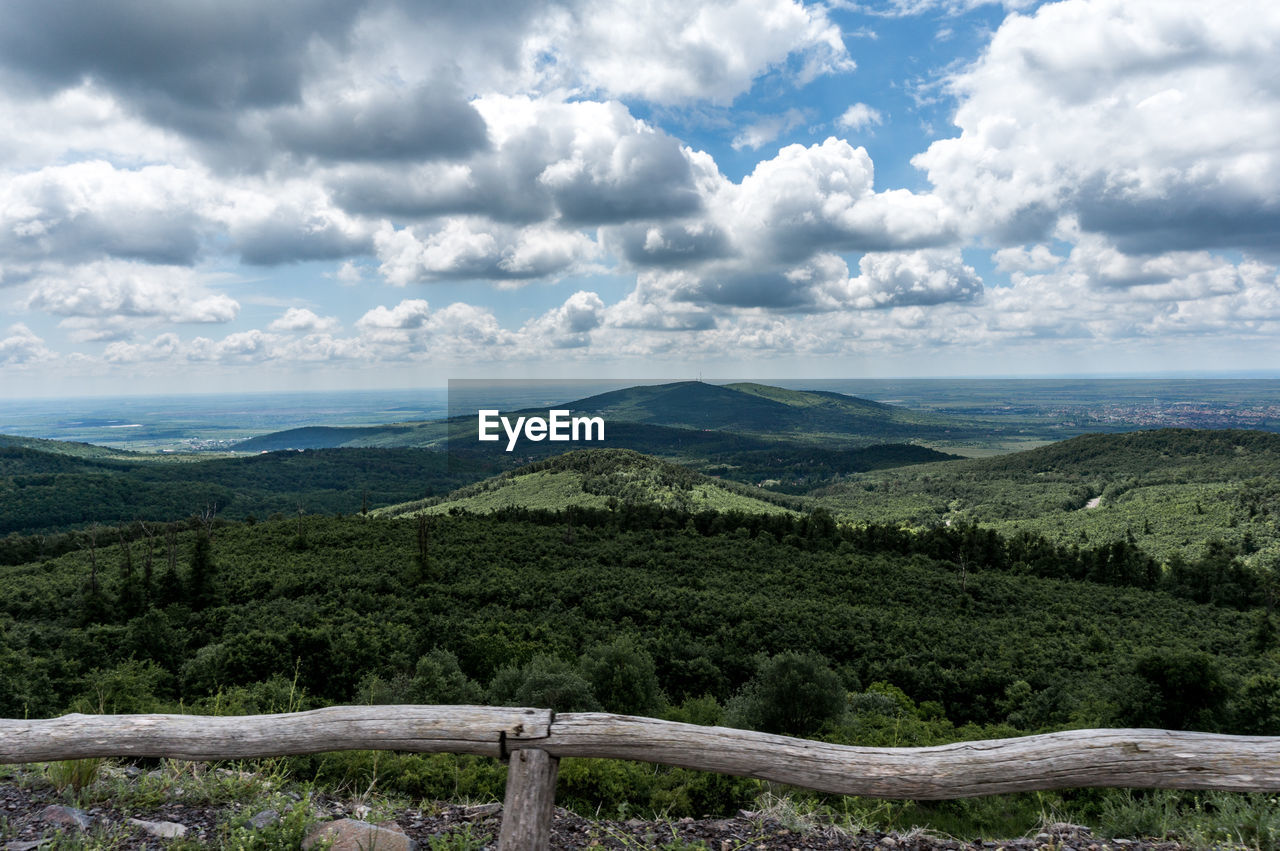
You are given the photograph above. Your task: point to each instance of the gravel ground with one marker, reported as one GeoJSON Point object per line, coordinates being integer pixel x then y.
{"type": "Point", "coordinates": [31, 817]}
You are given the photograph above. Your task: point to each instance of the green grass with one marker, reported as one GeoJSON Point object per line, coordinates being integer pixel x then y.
{"type": "Point", "coordinates": [597, 479]}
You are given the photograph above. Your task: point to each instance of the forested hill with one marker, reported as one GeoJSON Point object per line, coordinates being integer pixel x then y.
{"type": "Point", "coordinates": [45, 492]}
{"type": "Point", "coordinates": [761, 409]}
{"type": "Point", "coordinates": [599, 478]}
{"type": "Point", "coordinates": [1177, 493]}
{"type": "Point", "coordinates": [656, 418]}
{"type": "Point", "coordinates": [1226, 452]}
{"type": "Point", "coordinates": [64, 447]}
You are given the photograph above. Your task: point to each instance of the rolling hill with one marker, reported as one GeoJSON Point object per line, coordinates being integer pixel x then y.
{"type": "Point", "coordinates": [600, 478]}
{"type": "Point", "coordinates": [1169, 490]}
{"type": "Point", "coordinates": [44, 492]}
{"type": "Point", "coordinates": [758, 411]}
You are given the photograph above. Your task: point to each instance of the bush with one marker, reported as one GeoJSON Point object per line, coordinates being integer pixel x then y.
{"type": "Point", "coordinates": [792, 693]}
{"type": "Point", "coordinates": [1177, 690]}
{"type": "Point", "coordinates": [623, 677]}
{"type": "Point", "coordinates": [544, 682]}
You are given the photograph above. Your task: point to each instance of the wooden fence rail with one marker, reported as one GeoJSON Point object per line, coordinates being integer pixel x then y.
{"type": "Point", "coordinates": [535, 739]}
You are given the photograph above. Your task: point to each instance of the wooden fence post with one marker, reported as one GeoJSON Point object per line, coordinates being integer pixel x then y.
{"type": "Point", "coordinates": [530, 801]}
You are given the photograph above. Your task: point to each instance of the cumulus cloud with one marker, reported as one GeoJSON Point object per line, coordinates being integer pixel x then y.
{"type": "Point", "coordinates": [1153, 123]}
{"type": "Point", "coordinates": [123, 289]}
{"type": "Point", "coordinates": [428, 121]}
{"type": "Point", "coordinates": [172, 63]}
{"type": "Point", "coordinates": [859, 116]}
{"type": "Point", "coordinates": [567, 326]}
{"type": "Point", "coordinates": [769, 241]}
{"type": "Point", "coordinates": [412, 330]}
{"type": "Point", "coordinates": [21, 346]}
{"type": "Point", "coordinates": [674, 52]}
{"type": "Point", "coordinates": [1021, 258]}
{"type": "Point", "coordinates": [908, 278]}
{"type": "Point", "coordinates": [408, 314]}
{"type": "Point", "coordinates": [167, 216]}
{"type": "Point", "coordinates": [582, 162]}
{"type": "Point", "coordinates": [822, 197]}
{"type": "Point", "coordinates": [301, 319]}
{"type": "Point", "coordinates": [472, 249]}
{"type": "Point", "coordinates": [89, 210]}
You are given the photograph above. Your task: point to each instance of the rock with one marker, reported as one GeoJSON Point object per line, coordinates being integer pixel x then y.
{"type": "Point", "coordinates": [161, 829]}
{"type": "Point", "coordinates": [1068, 827]}
{"type": "Point", "coordinates": [481, 810]}
{"type": "Point", "coordinates": [66, 817]}
{"type": "Point", "coordinates": [264, 819]}
{"type": "Point", "coordinates": [25, 846]}
{"type": "Point", "coordinates": [351, 835]}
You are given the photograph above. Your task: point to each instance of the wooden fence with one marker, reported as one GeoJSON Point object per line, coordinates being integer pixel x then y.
{"type": "Point", "coordinates": [534, 740]}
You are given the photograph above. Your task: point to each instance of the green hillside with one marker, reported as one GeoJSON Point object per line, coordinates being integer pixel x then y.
{"type": "Point", "coordinates": [1169, 490]}
{"type": "Point", "coordinates": [418, 435]}
{"type": "Point", "coordinates": [963, 621]}
{"type": "Point", "coordinates": [63, 447]}
{"type": "Point", "coordinates": [600, 478]}
{"type": "Point", "coordinates": [763, 410]}
{"type": "Point", "coordinates": [680, 411]}
{"type": "Point", "coordinates": [44, 492]}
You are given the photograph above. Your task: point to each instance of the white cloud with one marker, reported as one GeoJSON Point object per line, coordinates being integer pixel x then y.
{"type": "Point", "coordinates": [907, 278]}
{"type": "Point", "coordinates": [79, 119]}
{"type": "Point", "coordinates": [904, 8]}
{"type": "Point", "coordinates": [1037, 258]}
{"type": "Point", "coordinates": [1147, 120]}
{"type": "Point", "coordinates": [412, 331]}
{"type": "Point", "coordinates": [116, 288]}
{"type": "Point", "coordinates": [567, 326]}
{"type": "Point", "coordinates": [410, 313]}
{"type": "Point", "coordinates": [858, 117]}
{"type": "Point", "coordinates": [467, 248]}
{"type": "Point", "coordinates": [22, 346]}
{"type": "Point", "coordinates": [581, 163]}
{"type": "Point", "coordinates": [762, 240]}
{"type": "Point", "coordinates": [302, 319]}
{"type": "Point", "coordinates": [763, 131]}
{"type": "Point", "coordinates": [89, 210]}
{"type": "Point", "coordinates": [675, 52]}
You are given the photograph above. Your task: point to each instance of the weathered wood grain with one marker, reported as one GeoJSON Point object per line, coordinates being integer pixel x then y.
{"type": "Point", "coordinates": [530, 801]}
{"type": "Point", "coordinates": [1134, 758]}
{"type": "Point", "coordinates": [424, 729]}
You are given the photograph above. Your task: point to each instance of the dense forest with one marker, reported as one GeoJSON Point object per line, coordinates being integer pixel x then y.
{"type": "Point", "coordinates": [984, 629]}
{"type": "Point", "coordinates": [644, 588]}
{"type": "Point", "coordinates": [46, 492]}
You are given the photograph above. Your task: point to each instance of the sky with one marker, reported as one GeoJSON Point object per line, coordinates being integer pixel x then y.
{"type": "Point", "coordinates": [323, 194]}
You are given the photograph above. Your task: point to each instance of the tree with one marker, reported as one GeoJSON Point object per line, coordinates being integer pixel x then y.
{"type": "Point", "coordinates": [544, 682]}
{"type": "Point", "coordinates": [623, 677]}
{"type": "Point", "coordinates": [793, 693]}
{"type": "Point", "coordinates": [1186, 691]}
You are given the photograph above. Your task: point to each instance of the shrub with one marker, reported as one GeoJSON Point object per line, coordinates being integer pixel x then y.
{"type": "Point", "coordinates": [793, 693]}
{"type": "Point", "coordinates": [623, 677]}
